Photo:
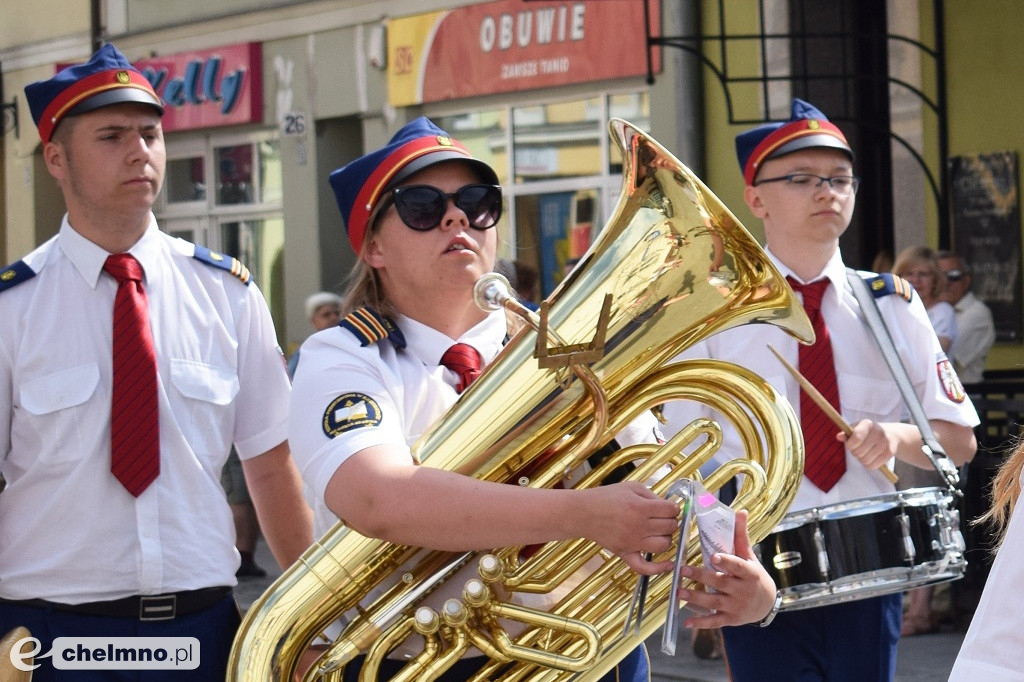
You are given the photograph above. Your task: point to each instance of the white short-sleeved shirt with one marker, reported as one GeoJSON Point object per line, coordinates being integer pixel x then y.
{"type": "Point", "coordinates": [383, 394]}
{"type": "Point", "coordinates": [866, 388]}
{"type": "Point", "coordinates": [405, 390]}
{"type": "Point", "coordinates": [976, 332]}
{"type": "Point", "coordinates": [993, 649]}
{"type": "Point", "coordinates": [69, 531]}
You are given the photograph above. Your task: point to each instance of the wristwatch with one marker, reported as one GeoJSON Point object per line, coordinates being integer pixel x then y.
{"type": "Point", "coordinates": [767, 620]}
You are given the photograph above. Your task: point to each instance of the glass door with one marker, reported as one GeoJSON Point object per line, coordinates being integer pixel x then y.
{"type": "Point", "coordinates": [554, 230]}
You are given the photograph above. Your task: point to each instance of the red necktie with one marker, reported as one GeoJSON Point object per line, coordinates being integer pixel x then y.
{"type": "Point", "coordinates": [134, 415]}
{"type": "Point", "coordinates": [826, 457]}
{"type": "Point", "coordinates": [465, 361]}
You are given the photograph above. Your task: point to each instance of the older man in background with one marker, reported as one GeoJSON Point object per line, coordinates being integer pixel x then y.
{"type": "Point", "coordinates": [975, 330]}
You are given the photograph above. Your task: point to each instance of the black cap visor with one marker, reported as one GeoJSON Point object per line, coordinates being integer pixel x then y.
{"type": "Point", "coordinates": [116, 96]}
{"type": "Point", "coordinates": [486, 173]}
{"type": "Point", "coordinates": [809, 141]}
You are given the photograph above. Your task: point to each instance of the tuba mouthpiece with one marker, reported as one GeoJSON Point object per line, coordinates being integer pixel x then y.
{"type": "Point", "coordinates": [491, 291]}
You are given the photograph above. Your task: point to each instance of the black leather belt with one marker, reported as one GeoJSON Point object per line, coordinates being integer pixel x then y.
{"type": "Point", "coordinates": [141, 607]}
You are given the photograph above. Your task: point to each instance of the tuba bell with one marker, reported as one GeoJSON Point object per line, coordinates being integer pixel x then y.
{"type": "Point", "coordinates": [671, 267]}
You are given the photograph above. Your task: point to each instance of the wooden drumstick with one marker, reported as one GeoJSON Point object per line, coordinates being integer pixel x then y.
{"type": "Point", "coordinates": [825, 406]}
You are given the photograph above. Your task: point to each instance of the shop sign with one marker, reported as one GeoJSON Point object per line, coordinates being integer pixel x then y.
{"type": "Point", "coordinates": [510, 45]}
{"type": "Point", "coordinates": [986, 230]}
{"type": "Point", "coordinates": [208, 88]}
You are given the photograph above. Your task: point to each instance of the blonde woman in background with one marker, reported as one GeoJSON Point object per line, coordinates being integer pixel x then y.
{"type": "Point", "coordinates": [920, 266]}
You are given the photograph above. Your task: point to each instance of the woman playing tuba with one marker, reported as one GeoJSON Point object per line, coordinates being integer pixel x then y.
{"type": "Point", "coordinates": [420, 213]}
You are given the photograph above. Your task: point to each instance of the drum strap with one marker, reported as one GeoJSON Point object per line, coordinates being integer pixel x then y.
{"type": "Point", "coordinates": [931, 448]}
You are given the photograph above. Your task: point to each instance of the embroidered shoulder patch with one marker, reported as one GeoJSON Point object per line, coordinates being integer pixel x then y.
{"type": "Point", "coordinates": [887, 283]}
{"type": "Point", "coordinates": [369, 327]}
{"type": "Point", "coordinates": [950, 380]}
{"type": "Point", "coordinates": [14, 274]}
{"type": "Point", "coordinates": [217, 260]}
{"type": "Point", "coordinates": [350, 411]}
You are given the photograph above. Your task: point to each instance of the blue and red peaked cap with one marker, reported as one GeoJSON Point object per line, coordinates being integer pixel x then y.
{"type": "Point", "coordinates": [807, 127]}
{"type": "Point", "coordinates": [107, 78]}
{"type": "Point", "coordinates": [359, 185]}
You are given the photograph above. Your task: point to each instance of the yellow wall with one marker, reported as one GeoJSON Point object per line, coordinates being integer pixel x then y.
{"type": "Point", "coordinates": [25, 23]}
{"type": "Point", "coordinates": [723, 174]}
{"type": "Point", "coordinates": [985, 67]}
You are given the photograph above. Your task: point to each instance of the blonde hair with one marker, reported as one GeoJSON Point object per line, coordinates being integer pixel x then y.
{"type": "Point", "coordinates": [1005, 492]}
{"type": "Point", "coordinates": [921, 255]}
{"type": "Point", "coordinates": [363, 289]}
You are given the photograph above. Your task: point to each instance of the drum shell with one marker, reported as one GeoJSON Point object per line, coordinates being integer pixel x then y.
{"type": "Point", "coordinates": [864, 548]}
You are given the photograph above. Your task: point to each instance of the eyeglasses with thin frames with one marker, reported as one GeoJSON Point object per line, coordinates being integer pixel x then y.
{"type": "Point", "coordinates": [843, 185]}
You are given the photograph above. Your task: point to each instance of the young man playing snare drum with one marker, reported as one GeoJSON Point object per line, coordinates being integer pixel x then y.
{"type": "Point", "coordinates": [801, 184]}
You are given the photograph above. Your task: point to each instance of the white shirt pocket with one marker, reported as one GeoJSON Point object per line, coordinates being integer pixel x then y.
{"type": "Point", "coordinates": [203, 402]}
{"type": "Point", "coordinates": [60, 390]}
{"type": "Point", "coordinates": [209, 383]}
{"type": "Point", "coordinates": [58, 423]}
{"type": "Point", "coordinates": [874, 398]}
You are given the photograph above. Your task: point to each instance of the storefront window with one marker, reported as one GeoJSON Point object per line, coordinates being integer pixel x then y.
{"type": "Point", "coordinates": [559, 227]}
{"type": "Point", "coordinates": [556, 140]}
{"type": "Point", "coordinates": [225, 192]}
{"type": "Point", "coordinates": [185, 180]}
{"type": "Point", "coordinates": [259, 244]}
{"type": "Point", "coordinates": [248, 173]}
{"type": "Point", "coordinates": [565, 173]}
{"type": "Point", "coordinates": [484, 134]}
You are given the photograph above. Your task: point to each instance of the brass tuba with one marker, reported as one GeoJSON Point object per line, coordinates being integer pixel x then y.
{"type": "Point", "coordinates": [672, 266]}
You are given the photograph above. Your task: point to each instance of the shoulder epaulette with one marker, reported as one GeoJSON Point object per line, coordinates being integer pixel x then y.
{"type": "Point", "coordinates": [14, 274]}
{"type": "Point", "coordinates": [217, 260]}
{"type": "Point", "coordinates": [887, 283]}
{"type": "Point", "coordinates": [369, 326]}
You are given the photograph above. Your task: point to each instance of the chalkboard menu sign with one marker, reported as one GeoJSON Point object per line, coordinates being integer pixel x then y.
{"type": "Point", "coordinates": [986, 233]}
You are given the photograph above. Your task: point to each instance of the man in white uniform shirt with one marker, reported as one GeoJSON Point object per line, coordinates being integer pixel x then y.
{"type": "Point", "coordinates": [112, 529]}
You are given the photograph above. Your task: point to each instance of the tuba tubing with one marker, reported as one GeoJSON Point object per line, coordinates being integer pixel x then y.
{"type": "Point", "coordinates": [671, 266]}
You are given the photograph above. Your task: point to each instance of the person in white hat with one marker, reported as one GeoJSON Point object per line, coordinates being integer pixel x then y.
{"type": "Point", "coordinates": [323, 310]}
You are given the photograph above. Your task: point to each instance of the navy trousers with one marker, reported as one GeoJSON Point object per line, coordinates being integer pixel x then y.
{"type": "Point", "coordinates": [848, 642]}
{"type": "Point", "coordinates": [214, 627]}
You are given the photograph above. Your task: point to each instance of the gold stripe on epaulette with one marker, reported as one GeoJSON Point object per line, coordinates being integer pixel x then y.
{"type": "Point", "coordinates": [240, 271]}
{"type": "Point", "coordinates": [902, 287]}
{"type": "Point", "coordinates": [365, 326]}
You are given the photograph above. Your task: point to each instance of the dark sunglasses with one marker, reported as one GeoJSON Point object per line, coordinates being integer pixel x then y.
{"type": "Point", "coordinates": [422, 207]}
{"type": "Point", "coordinates": [954, 275]}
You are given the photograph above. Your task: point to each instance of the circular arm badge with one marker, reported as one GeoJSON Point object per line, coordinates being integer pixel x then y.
{"type": "Point", "coordinates": [350, 411]}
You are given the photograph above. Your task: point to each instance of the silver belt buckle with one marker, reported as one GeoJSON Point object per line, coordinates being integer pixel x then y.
{"type": "Point", "coordinates": [161, 607]}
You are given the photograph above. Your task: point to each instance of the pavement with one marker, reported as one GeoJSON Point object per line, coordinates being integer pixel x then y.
{"type": "Point", "coordinates": [924, 658]}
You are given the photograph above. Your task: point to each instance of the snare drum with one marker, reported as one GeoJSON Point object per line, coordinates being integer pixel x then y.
{"type": "Point", "coordinates": [865, 548]}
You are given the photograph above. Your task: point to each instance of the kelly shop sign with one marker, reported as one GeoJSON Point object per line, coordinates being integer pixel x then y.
{"type": "Point", "coordinates": [207, 88]}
